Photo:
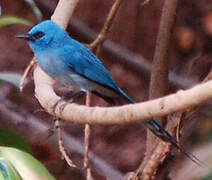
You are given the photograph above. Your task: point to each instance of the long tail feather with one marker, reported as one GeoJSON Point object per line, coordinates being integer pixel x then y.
{"type": "Point", "coordinates": [160, 132]}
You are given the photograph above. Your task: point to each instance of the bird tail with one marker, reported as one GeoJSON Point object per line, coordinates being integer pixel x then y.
{"type": "Point", "coordinates": [160, 132]}
{"type": "Point", "coordinates": [126, 97]}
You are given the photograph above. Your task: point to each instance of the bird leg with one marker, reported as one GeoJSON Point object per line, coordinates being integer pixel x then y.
{"type": "Point", "coordinates": [72, 98]}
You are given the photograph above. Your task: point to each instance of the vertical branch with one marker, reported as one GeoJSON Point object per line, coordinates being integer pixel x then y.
{"type": "Point", "coordinates": [87, 141]}
{"type": "Point", "coordinates": [61, 16]}
{"type": "Point", "coordinates": [61, 145]}
{"type": "Point", "coordinates": [159, 85]}
{"type": "Point", "coordinates": [63, 12]}
{"type": "Point", "coordinates": [26, 72]}
{"type": "Point", "coordinates": [159, 77]}
{"type": "Point", "coordinates": [97, 43]}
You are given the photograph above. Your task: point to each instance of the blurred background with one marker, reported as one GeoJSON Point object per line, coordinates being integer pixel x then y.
{"type": "Point", "coordinates": [128, 54]}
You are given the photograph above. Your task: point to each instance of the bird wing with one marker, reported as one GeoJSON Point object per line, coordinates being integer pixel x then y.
{"type": "Point", "coordinates": [85, 63]}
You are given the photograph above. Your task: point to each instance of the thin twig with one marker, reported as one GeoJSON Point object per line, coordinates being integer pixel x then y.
{"type": "Point", "coordinates": [61, 145]}
{"type": "Point", "coordinates": [15, 118]}
{"type": "Point", "coordinates": [192, 111]}
{"type": "Point", "coordinates": [26, 72]}
{"type": "Point", "coordinates": [87, 141]}
{"type": "Point", "coordinates": [97, 43]}
{"type": "Point", "coordinates": [178, 129]}
{"type": "Point", "coordinates": [102, 35]}
{"type": "Point", "coordinates": [87, 134]}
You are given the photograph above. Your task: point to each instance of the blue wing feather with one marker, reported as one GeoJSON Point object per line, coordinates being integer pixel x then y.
{"type": "Point", "coordinates": [85, 63]}
{"type": "Point", "coordinates": [82, 61]}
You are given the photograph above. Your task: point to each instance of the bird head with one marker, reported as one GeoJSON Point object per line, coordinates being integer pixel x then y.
{"type": "Point", "coordinates": [43, 35]}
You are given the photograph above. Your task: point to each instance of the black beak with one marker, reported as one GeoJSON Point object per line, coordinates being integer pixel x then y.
{"type": "Point", "coordinates": [26, 37]}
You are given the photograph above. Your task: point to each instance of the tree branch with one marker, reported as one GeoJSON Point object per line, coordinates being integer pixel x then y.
{"type": "Point", "coordinates": [63, 12]}
{"type": "Point", "coordinates": [159, 80]}
{"type": "Point", "coordinates": [102, 35]}
{"type": "Point", "coordinates": [22, 122]}
{"type": "Point", "coordinates": [87, 141]}
{"type": "Point", "coordinates": [122, 114]}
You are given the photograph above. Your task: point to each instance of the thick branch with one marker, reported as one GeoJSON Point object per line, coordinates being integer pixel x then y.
{"type": "Point", "coordinates": [159, 77]}
{"type": "Point", "coordinates": [118, 115]}
{"type": "Point", "coordinates": [63, 12]}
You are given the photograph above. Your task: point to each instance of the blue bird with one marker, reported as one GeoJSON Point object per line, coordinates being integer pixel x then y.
{"type": "Point", "coordinates": [72, 64]}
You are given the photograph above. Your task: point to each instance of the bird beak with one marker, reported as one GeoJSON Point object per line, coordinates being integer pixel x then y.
{"type": "Point", "coordinates": [27, 37]}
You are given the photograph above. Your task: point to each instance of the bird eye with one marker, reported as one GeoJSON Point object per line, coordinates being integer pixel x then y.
{"type": "Point", "coordinates": [38, 35]}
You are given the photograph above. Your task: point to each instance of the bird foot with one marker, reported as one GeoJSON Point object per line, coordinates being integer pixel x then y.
{"type": "Point", "coordinates": [71, 100]}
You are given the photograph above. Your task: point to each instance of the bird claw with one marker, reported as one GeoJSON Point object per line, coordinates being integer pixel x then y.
{"type": "Point", "coordinates": [71, 100]}
{"type": "Point", "coordinates": [56, 104]}
{"type": "Point", "coordinates": [62, 106]}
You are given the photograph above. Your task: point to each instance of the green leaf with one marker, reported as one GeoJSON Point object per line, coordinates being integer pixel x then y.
{"type": "Point", "coordinates": [7, 171]}
{"type": "Point", "coordinates": [1, 82]}
{"type": "Point", "coordinates": [209, 177]}
{"type": "Point", "coordinates": [8, 20]}
{"type": "Point", "coordinates": [1, 176]}
{"type": "Point", "coordinates": [11, 139]}
{"type": "Point", "coordinates": [25, 164]}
